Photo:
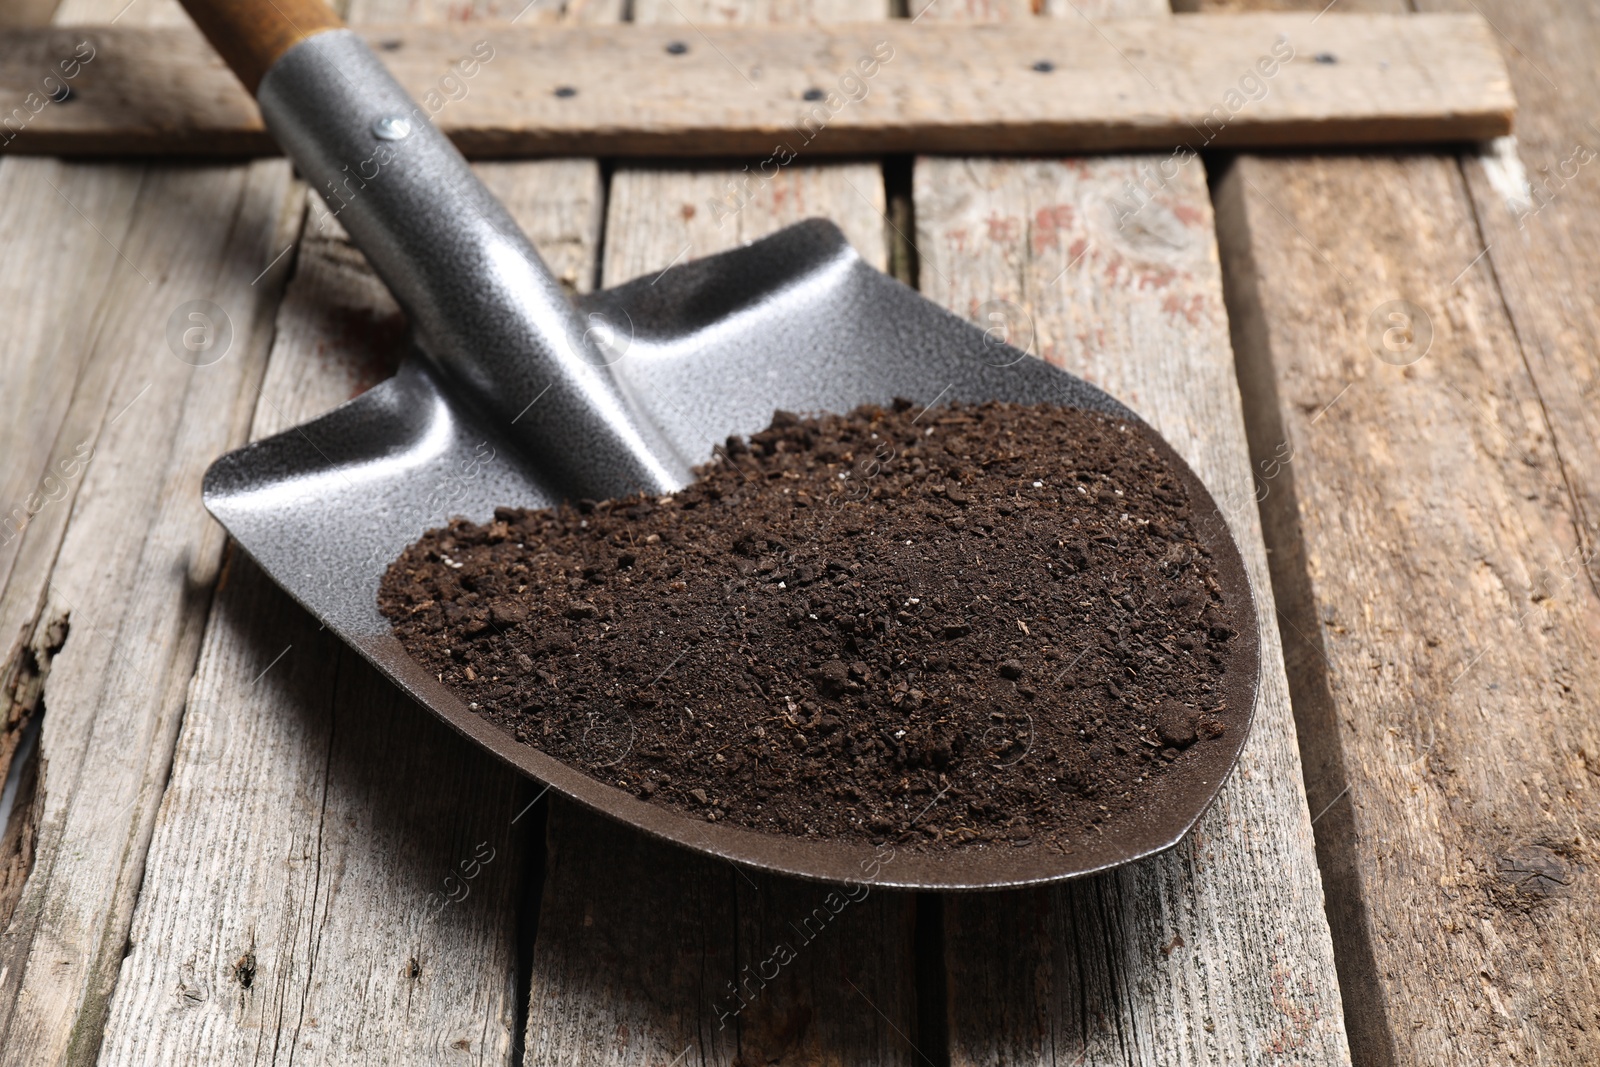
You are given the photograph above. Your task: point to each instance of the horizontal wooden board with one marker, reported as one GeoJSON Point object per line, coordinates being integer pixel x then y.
{"type": "Point", "coordinates": [1249, 80]}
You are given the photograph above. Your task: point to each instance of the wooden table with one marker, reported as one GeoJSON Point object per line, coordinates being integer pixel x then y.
{"type": "Point", "coordinates": [233, 841]}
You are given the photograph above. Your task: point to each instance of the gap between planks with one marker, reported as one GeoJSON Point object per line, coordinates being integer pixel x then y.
{"type": "Point", "coordinates": [1217, 951]}
{"type": "Point", "coordinates": [295, 899]}
{"type": "Point", "coordinates": [115, 569]}
{"type": "Point", "coordinates": [859, 239]}
{"type": "Point", "coordinates": [1433, 519]}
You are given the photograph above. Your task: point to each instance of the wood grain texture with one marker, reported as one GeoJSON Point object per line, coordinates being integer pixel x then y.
{"type": "Point", "coordinates": [142, 13]}
{"type": "Point", "coordinates": [437, 13]}
{"type": "Point", "coordinates": [67, 222]}
{"type": "Point", "coordinates": [647, 953]}
{"type": "Point", "coordinates": [660, 215]}
{"type": "Point", "coordinates": [26, 13]}
{"type": "Point", "coordinates": [47, 425]}
{"type": "Point", "coordinates": [335, 876]}
{"type": "Point", "coordinates": [131, 580]}
{"type": "Point", "coordinates": [1432, 541]}
{"type": "Point", "coordinates": [1218, 951]}
{"type": "Point", "coordinates": [1541, 237]}
{"type": "Point", "coordinates": [650, 955]}
{"type": "Point", "coordinates": [300, 902]}
{"type": "Point", "coordinates": [1444, 611]}
{"type": "Point", "coordinates": [114, 575]}
{"type": "Point", "coordinates": [1067, 84]}
{"type": "Point", "coordinates": [298, 896]}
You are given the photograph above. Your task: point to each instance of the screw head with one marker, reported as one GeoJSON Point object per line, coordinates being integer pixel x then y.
{"type": "Point", "coordinates": [813, 94]}
{"type": "Point", "coordinates": [1044, 66]}
{"type": "Point", "coordinates": [677, 48]}
{"type": "Point", "coordinates": [392, 128]}
{"type": "Point", "coordinates": [566, 91]}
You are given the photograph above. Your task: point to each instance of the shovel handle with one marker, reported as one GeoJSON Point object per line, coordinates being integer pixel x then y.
{"type": "Point", "coordinates": [251, 35]}
{"type": "Point", "coordinates": [485, 312]}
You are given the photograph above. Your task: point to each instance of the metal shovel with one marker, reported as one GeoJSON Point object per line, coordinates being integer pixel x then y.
{"type": "Point", "coordinates": [512, 396]}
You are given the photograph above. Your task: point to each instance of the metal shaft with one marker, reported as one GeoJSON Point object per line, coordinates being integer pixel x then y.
{"type": "Point", "coordinates": [485, 308]}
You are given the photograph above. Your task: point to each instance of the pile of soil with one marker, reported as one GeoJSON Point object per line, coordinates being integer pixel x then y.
{"type": "Point", "coordinates": [938, 626]}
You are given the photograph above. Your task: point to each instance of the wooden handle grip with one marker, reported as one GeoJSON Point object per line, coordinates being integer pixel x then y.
{"type": "Point", "coordinates": [250, 35]}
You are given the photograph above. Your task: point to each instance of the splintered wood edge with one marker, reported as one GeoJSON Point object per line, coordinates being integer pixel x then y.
{"type": "Point", "coordinates": [1056, 86]}
{"type": "Point", "coordinates": [318, 835]}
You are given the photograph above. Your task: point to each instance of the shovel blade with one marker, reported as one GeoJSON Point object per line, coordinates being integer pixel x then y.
{"type": "Point", "coordinates": [706, 350]}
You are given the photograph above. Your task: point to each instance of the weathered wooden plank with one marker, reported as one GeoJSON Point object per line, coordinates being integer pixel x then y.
{"type": "Point", "coordinates": [121, 570]}
{"type": "Point", "coordinates": [295, 892]}
{"type": "Point", "coordinates": [671, 214]}
{"type": "Point", "coordinates": [71, 220]}
{"type": "Point", "coordinates": [300, 895]}
{"type": "Point", "coordinates": [304, 896]}
{"type": "Point", "coordinates": [1058, 86]}
{"type": "Point", "coordinates": [47, 336]}
{"type": "Point", "coordinates": [147, 13]}
{"type": "Point", "coordinates": [1218, 951]}
{"type": "Point", "coordinates": [27, 13]}
{"type": "Point", "coordinates": [1432, 541]}
{"type": "Point", "coordinates": [131, 581]}
{"type": "Point", "coordinates": [1541, 237]}
{"type": "Point", "coordinates": [683, 214]}
{"type": "Point", "coordinates": [649, 955]}
{"type": "Point", "coordinates": [646, 953]}
{"type": "Point", "coordinates": [1438, 589]}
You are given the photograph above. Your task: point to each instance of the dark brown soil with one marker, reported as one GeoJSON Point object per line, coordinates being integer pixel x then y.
{"type": "Point", "coordinates": [966, 624]}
